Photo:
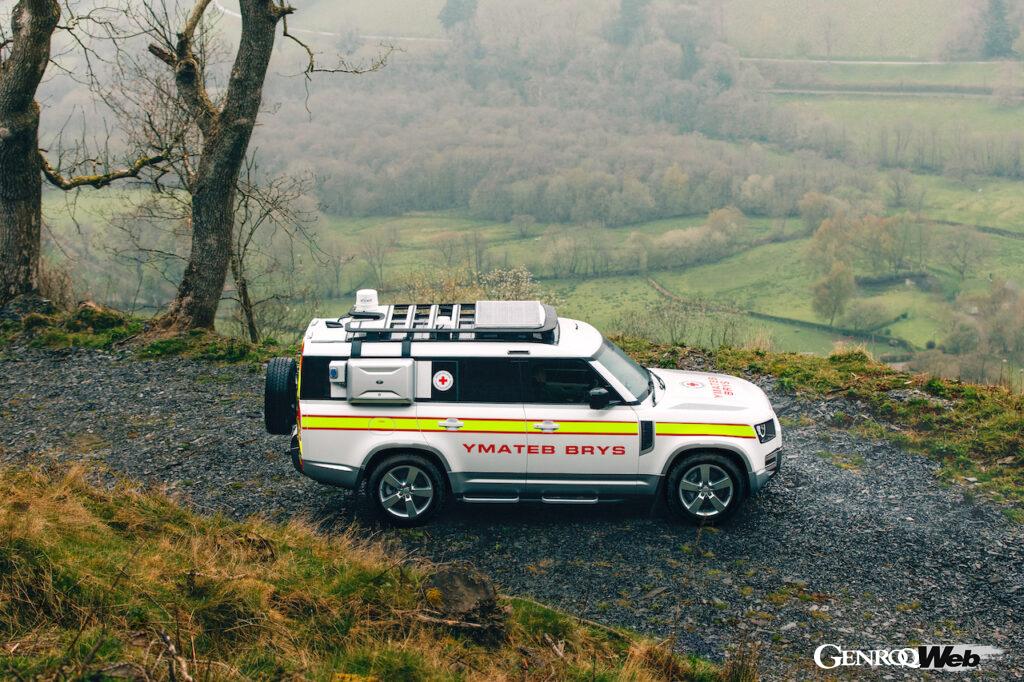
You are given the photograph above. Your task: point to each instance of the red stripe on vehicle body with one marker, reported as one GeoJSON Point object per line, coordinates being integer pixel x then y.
{"type": "Point", "coordinates": [701, 435]}
{"type": "Point", "coordinates": [701, 424]}
{"type": "Point", "coordinates": [354, 428]}
{"type": "Point", "coordinates": [579, 433]}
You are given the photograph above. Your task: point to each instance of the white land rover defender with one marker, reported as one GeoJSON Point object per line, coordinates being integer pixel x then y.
{"type": "Point", "coordinates": [502, 402]}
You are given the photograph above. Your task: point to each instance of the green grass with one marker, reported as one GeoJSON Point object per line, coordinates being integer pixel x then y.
{"type": "Point", "coordinates": [97, 581]}
{"type": "Point", "coordinates": [864, 116]}
{"type": "Point", "coordinates": [102, 328]}
{"type": "Point", "coordinates": [912, 29]}
{"type": "Point", "coordinates": [601, 301]}
{"type": "Point", "coordinates": [87, 327]}
{"type": "Point", "coordinates": [976, 201]}
{"type": "Point", "coordinates": [852, 463]}
{"type": "Point", "coordinates": [775, 279]}
{"type": "Point", "coordinates": [954, 75]}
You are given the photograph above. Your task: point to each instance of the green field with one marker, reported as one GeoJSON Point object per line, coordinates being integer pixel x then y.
{"type": "Point", "coordinates": [978, 201]}
{"type": "Point", "coordinates": [862, 116]}
{"type": "Point", "coordinates": [860, 29]}
{"type": "Point", "coordinates": [867, 75]}
{"type": "Point", "coordinates": [774, 278]}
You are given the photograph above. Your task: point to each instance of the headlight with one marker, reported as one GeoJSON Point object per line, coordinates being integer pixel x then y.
{"type": "Point", "coordinates": [765, 430]}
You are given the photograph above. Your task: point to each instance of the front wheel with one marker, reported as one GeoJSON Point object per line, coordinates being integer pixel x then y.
{"type": "Point", "coordinates": [704, 488]}
{"type": "Point", "coordinates": [407, 490]}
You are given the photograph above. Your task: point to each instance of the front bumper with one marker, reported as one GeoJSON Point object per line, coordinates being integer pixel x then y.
{"type": "Point", "coordinates": [772, 462]}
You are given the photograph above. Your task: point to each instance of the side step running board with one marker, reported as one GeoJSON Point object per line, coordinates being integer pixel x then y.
{"type": "Point", "coordinates": [568, 500]}
{"type": "Point", "coordinates": [491, 500]}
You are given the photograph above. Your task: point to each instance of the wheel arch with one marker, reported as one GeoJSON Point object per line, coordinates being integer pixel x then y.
{"type": "Point", "coordinates": [734, 454]}
{"type": "Point", "coordinates": [377, 455]}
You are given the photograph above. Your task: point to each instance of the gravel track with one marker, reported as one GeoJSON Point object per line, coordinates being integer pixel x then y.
{"type": "Point", "coordinates": [854, 543]}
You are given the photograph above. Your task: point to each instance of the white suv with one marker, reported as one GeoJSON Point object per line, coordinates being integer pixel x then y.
{"type": "Point", "coordinates": [503, 402]}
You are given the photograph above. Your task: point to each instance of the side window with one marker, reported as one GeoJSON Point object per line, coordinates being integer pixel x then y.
{"type": "Point", "coordinates": [562, 382]}
{"type": "Point", "coordinates": [315, 382]}
{"type": "Point", "coordinates": [476, 380]}
{"type": "Point", "coordinates": [489, 380]}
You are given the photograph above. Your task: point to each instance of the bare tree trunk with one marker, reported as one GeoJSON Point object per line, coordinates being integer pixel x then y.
{"type": "Point", "coordinates": [226, 136]}
{"type": "Point", "coordinates": [244, 298]}
{"type": "Point", "coordinates": [32, 23]}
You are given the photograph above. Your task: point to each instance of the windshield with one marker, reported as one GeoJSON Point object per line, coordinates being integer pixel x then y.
{"type": "Point", "coordinates": [635, 378]}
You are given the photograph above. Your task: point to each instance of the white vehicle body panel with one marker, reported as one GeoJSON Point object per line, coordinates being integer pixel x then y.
{"type": "Point", "coordinates": [484, 445]}
{"type": "Point", "coordinates": [581, 449]}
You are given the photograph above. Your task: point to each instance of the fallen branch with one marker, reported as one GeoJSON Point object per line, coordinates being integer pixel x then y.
{"type": "Point", "coordinates": [176, 663]}
{"type": "Point", "coordinates": [448, 621]}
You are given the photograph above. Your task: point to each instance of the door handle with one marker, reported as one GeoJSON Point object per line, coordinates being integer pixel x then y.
{"type": "Point", "coordinates": [547, 426]}
{"type": "Point", "coordinates": [451, 424]}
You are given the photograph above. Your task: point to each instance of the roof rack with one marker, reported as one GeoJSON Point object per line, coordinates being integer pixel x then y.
{"type": "Point", "coordinates": [530, 321]}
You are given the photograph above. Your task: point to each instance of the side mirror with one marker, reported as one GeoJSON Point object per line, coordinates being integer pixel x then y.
{"type": "Point", "coordinates": [599, 398]}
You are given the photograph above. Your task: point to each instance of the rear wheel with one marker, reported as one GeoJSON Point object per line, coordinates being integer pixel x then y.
{"type": "Point", "coordinates": [407, 489]}
{"type": "Point", "coordinates": [704, 488]}
{"type": "Point", "coordinates": [279, 396]}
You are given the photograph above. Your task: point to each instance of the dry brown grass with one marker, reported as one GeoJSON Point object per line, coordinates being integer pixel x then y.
{"type": "Point", "coordinates": [128, 583]}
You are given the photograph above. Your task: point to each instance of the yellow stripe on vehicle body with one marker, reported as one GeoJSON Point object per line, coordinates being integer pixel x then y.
{"type": "Point", "coordinates": [600, 428]}
{"type": "Point", "coordinates": [484, 425]}
{"type": "Point", "coordinates": [360, 423]}
{"type": "Point", "coordinates": [694, 429]}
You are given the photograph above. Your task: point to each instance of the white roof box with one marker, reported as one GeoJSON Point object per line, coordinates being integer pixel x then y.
{"type": "Point", "coordinates": [509, 315]}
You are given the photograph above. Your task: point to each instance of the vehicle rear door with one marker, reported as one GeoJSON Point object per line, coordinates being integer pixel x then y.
{"type": "Point", "coordinates": [475, 417]}
{"type": "Point", "coordinates": [575, 450]}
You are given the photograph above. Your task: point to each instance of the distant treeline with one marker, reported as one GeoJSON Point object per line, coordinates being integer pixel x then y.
{"type": "Point", "coordinates": [572, 126]}
{"type": "Point", "coordinates": [565, 124]}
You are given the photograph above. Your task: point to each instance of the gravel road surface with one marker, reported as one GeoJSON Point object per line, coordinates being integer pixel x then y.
{"type": "Point", "coordinates": [855, 542]}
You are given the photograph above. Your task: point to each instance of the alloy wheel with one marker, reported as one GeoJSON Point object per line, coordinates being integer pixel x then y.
{"type": "Point", "coordinates": [706, 490]}
{"type": "Point", "coordinates": [405, 491]}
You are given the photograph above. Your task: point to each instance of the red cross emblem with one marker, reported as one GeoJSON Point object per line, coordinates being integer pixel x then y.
{"type": "Point", "coordinates": [443, 380]}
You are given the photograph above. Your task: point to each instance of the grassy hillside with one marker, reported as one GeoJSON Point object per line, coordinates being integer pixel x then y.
{"type": "Point", "coordinates": [862, 116]}
{"type": "Point", "coordinates": [952, 75]}
{"type": "Point", "coordinates": [992, 202]}
{"type": "Point", "coordinates": [859, 29]}
{"type": "Point", "coordinates": [103, 585]}
{"type": "Point", "coordinates": [778, 28]}
{"type": "Point", "coordinates": [771, 278]}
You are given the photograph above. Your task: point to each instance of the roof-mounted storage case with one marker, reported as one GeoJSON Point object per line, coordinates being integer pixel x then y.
{"type": "Point", "coordinates": [380, 380]}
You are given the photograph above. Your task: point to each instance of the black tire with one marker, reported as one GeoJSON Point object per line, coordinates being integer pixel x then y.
{"type": "Point", "coordinates": [696, 494]}
{"type": "Point", "coordinates": [279, 396]}
{"type": "Point", "coordinates": [408, 507]}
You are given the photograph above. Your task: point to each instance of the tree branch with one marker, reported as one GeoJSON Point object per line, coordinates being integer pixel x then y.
{"type": "Point", "coordinates": [101, 179]}
{"type": "Point", "coordinates": [187, 33]}
{"type": "Point", "coordinates": [379, 61]}
{"type": "Point", "coordinates": [188, 71]}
